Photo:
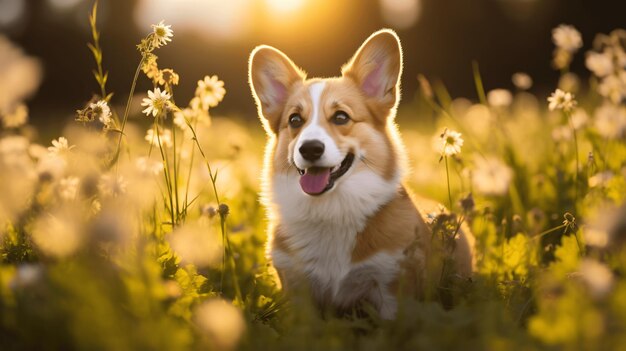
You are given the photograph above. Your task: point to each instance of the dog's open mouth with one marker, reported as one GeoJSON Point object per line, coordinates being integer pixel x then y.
{"type": "Point", "coordinates": [318, 180]}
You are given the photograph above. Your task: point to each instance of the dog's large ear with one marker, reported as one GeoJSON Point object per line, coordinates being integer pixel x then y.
{"type": "Point", "coordinates": [272, 74]}
{"type": "Point", "coordinates": [376, 68]}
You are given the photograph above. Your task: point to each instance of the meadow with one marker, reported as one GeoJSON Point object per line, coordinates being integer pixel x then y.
{"type": "Point", "coordinates": [140, 227]}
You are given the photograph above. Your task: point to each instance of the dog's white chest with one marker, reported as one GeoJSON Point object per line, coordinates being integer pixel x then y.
{"type": "Point", "coordinates": [321, 252]}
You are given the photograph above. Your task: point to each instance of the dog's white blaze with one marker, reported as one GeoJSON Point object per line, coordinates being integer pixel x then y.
{"type": "Point", "coordinates": [314, 131]}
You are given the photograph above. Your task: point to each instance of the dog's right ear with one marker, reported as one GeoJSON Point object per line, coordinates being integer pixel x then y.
{"type": "Point", "coordinates": [272, 75]}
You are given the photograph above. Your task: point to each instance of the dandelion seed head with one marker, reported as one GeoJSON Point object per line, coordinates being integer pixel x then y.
{"type": "Point", "coordinates": [221, 321]}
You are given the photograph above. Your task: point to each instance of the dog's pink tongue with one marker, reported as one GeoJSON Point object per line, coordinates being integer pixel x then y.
{"type": "Point", "coordinates": [314, 182]}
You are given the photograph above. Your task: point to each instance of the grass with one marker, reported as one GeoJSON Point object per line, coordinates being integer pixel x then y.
{"type": "Point", "coordinates": [164, 249]}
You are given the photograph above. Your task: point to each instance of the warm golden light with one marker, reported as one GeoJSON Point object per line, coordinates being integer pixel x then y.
{"type": "Point", "coordinates": [285, 6]}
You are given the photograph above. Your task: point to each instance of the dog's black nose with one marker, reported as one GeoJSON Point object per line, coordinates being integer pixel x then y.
{"type": "Point", "coordinates": [312, 150]}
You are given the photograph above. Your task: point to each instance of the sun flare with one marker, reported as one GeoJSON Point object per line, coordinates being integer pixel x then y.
{"type": "Point", "coordinates": [285, 6]}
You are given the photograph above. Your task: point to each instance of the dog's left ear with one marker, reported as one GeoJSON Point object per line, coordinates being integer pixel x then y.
{"type": "Point", "coordinates": [376, 68]}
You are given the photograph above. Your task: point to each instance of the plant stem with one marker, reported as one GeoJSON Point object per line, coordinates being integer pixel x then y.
{"type": "Point", "coordinates": [448, 178]}
{"type": "Point", "coordinates": [127, 109]}
{"type": "Point", "coordinates": [571, 123]}
{"type": "Point", "coordinates": [166, 173]}
{"type": "Point", "coordinates": [549, 231]}
{"type": "Point", "coordinates": [478, 81]}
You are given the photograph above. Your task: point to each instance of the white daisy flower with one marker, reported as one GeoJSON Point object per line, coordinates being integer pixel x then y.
{"type": "Point", "coordinates": [448, 143]}
{"type": "Point", "coordinates": [194, 244]}
{"type": "Point", "coordinates": [613, 87]}
{"type": "Point", "coordinates": [601, 64]}
{"type": "Point", "coordinates": [162, 34]}
{"type": "Point", "coordinates": [60, 146]}
{"type": "Point", "coordinates": [610, 121]}
{"type": "Point", "coordinates": [211, 91]}
{"type": "Point", "coordinates": [597, 276]}
{"type": "Point", "coordinates": [567, 38]}
{"type": "Point", "coordinates": [499, 98]}
{"type": "Point", "coordinates": [165, 136]}
{"type": "Point", "coordinates": [147, 166]}
{"type": "Point", "coordinates": [522, 80]}
{"type": "Point", "coordinates": [68, 188]}
{"type": "Point", "coordinates": [600, 179]}
{"type": "Point", "coordinates": [222, 321]}
{"type": "Point", "coordinates": [561, 100]}
{"type": "Point", "coordinates": [57, 236]}
{"type": "Point", "coordinates": [102, 112]}
{"type": "Point", "coordinates": [17, 118]}
{"type": "Point", "coordinates": [181, 118]}
{"type": "Point", "coordinates": [110, 185]}
{"type": "Point", "coordinates": [156, 102]}
{"type": "Point", "coordinates": [579, 118]}
{"type": "Point", "coordinates": [562, 133]}
{"type": "Point", "coordinates": [491, 176]}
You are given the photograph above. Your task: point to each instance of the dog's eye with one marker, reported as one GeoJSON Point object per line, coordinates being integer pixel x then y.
{"type": "Point", "coordinates": [295, 120]}
{"type": "Point", "coordinates": [340, 118]}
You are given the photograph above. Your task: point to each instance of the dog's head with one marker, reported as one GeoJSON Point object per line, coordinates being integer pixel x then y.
{"type": "Point", "coordinates": [327, 129]}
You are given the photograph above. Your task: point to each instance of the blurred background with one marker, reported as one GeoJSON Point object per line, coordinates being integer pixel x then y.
{"type": "Point", "coordinates": [441, 38]}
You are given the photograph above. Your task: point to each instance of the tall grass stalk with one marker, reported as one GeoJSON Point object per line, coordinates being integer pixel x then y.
{"type": "Point", "coordinates": [223, 212]}
{"type": "Point", "coordinates": [448, 181]}
{"type": "Point", "coordinates": [568, 115]}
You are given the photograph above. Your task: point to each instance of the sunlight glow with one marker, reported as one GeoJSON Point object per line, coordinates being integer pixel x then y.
{"type": "Point", "coordinates": [285, 6]}
{"type": "Point", "coordinates": [11, 11]}
{"type": "Point", "coordinates": [401, 14]}
{"type": "Point", "coordinates": [63, 4]}
{"type": "Point", "coordinates": [217, 18]}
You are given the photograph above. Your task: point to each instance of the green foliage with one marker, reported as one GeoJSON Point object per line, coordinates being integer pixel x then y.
{"type": "Point", "coordinates": [116, 265]}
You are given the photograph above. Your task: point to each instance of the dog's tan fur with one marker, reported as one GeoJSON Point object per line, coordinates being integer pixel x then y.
{"type": "Point", "coordinates": [372, 238]}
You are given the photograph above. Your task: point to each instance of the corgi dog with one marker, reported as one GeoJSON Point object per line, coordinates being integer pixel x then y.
{"type": "Point", "coordinates": [341, 221]}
